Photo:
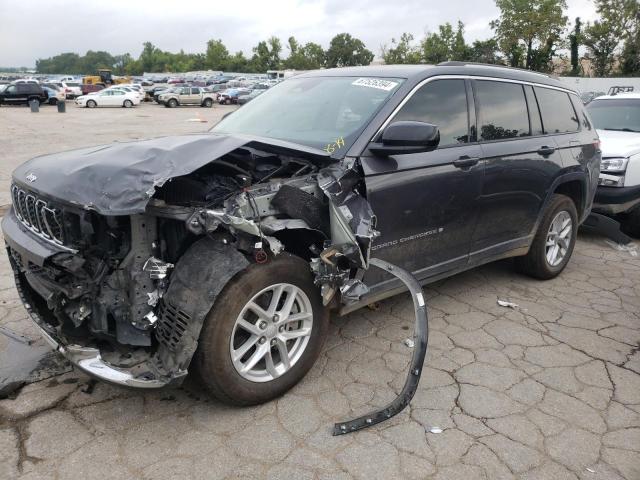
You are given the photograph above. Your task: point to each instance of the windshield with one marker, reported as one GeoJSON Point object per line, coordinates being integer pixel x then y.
{"type": "Point", "coordinates": [621, 114]}
{"type": "Point", "coordinates": [320, 112]}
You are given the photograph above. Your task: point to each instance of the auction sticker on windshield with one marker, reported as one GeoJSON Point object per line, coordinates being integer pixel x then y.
{"type": "Point", "coordinates": [386, 85]}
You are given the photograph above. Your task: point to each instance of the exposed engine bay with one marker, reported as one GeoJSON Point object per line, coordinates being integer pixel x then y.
{"type": "Point", "coordinates": [135, 286]}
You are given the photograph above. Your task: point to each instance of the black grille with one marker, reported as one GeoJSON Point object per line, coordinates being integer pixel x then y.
{"type": "Point", "coordinates": [171, 325]}
{"type": "Point", "coordinates": [38, 215]}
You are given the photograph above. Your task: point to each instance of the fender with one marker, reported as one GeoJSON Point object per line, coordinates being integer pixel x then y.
{"type": "Point", "coordinates": [198, 278]}
{"type": "Point", "coordinates": [559, 180]}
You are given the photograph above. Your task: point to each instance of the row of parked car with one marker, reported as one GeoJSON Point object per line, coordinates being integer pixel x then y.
{"type": "Point", "coordinates": [223, 93]}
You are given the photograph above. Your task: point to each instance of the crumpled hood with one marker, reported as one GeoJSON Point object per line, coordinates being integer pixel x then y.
{"type": "Point", "coordinates": [120, 178]}
{"type": "Point", "coordinates": [619, 144]}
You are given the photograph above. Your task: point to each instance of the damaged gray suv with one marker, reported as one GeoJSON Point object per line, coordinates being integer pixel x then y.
{"type": "Point", "coordinates": [223, 253]}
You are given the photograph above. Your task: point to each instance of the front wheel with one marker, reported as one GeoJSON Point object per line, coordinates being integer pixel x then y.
{"type": "Point", "coordinates": [91, 104]}
{"type": "Point", "coordinates": [172, 103]}
{"type": "Point", "coordinates": [263, 334]}
{"type": "Point", "coordinates": [207, 103]}
{"type": "Point", "coordinates": [127, 104]}
{"type": "Point", "coordinates": [554, 241]}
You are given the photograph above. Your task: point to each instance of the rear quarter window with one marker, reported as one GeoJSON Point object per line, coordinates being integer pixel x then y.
{"type": "Point", "coordinates": [558, 114]}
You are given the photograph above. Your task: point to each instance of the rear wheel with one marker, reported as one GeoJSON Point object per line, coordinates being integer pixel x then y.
{"type": "Point", "coordinates": [554, 241]}
{"type": "Point", "coordinates": [263, 334]}
{"type": "Point", "coordinates": [52, 100]}
{"type": "Point", "coordinates": [91, 104]}
{"type": "Point", "coordinates": [127, 104]}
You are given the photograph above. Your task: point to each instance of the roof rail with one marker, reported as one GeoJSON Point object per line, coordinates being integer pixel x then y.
{"type": "Point", "coordinates": [457, 63]}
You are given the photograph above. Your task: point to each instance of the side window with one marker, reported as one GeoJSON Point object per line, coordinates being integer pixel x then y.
{"type": "Point", "coordinates": [11, 89]}
{"type": "Point", "coordinates": [442, 103]}
{"type": "Point", "coordinates": [558, 115]}
{"type": "Point", "coordinates": [503, 110]}
{"type": "Point", "coordinates": [185, 91]}
{"type": "Point", "coordinates": [578, 106]}
{"type": "Point", "coordinates": [195, 91]}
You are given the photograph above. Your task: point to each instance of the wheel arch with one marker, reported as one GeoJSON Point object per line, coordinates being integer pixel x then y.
{"type": "Point", "coordinates": [575, 186]}
{"type": "Point", "coordinates": [194, 286]}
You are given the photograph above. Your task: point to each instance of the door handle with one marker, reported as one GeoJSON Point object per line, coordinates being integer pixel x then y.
{"type": "Point", "coordinates": [545, 151]}
{"type": "Point", "coordinates": [465, 161]}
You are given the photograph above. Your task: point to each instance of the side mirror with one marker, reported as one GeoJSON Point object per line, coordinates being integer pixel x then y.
{"type": "Point", "coordinates": [405, 137]}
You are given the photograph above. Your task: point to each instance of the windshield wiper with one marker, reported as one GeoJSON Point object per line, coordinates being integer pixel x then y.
{"type": "Point", "coordinates": [622, 130]}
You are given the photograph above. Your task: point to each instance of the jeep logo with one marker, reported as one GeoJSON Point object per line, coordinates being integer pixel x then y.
{"type": "Point", "coordinates": [31, 177]}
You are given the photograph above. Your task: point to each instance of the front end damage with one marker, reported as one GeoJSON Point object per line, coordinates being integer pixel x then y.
{"type": "Point", "coordinates": [124, 296]}
{"type": "Point", "coordinates": [121, 283]}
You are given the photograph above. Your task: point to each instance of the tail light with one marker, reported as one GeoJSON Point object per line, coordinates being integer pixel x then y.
{"type": "Point", "coordinates": [596, 144]}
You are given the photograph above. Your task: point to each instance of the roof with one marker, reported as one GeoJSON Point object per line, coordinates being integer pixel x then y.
{"type": "Point", "coordinates": [619, 96]}
{"type": "Point", "coordinates": [418, 72]}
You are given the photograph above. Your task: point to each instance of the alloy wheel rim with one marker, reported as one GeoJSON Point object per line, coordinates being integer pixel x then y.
{"type": "Point", "coordinates": [558, 238]}
{"type": "Point", "coordinates": [271, 332]}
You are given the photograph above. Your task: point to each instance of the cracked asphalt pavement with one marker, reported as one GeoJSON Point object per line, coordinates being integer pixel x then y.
{"type": "Point", "coordinates": [547, 390]}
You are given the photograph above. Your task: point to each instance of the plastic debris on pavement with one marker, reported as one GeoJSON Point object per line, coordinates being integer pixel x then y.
{"type": "Point", "coordinates": [434, 430]}
{"type": "Point", "coordinates": [409, 342]}
{"type": "Point", "coordinates": [504, 303]}
{"type": "Point", "coordinates": [632, 248]}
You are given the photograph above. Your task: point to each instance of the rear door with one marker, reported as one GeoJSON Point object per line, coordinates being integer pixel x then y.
{"type": "Point", "coordinates": [117, 97]}
{"type": "Point", "coordinates": [560, 119]}
{"type": "Point", "coordinates": [425, 202]}
{"type": "Point", "coordinates": [520, 164]}
{"type": "Point", "coordinates": [195, 95]}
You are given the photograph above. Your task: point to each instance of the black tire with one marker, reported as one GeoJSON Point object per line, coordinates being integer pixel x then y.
{"type": "Point", "coordinates": [535, 263]}
{"type": "Point", "coordinates": [207, 103]}
{"type": "Point", "coordinates": [212, 360]}
{"type": "Point", "coordinates": [631, 223]}
{"type": "Point", "coordinates": [172, 103]}
{"type": "Point", "coordinates": [91, 104]}
{"type": "Point", "coordinates": [127, 104]}
{"type": "Point", "coordinates": [52, 101]}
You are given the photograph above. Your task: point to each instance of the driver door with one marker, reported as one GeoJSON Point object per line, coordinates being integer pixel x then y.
{"type": "Point", "coordinates": [426, 203]}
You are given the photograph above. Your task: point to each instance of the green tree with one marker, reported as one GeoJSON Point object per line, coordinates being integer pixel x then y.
{"type": "Point", "coordinates": [529, 30]}
{"type": "Point", "coordinates": [347, 51]}
{"type": "Point", "coordinates": [217, 55]}
{"type": "Point", "coordinates": [122, 63]}
{"type": "Point", "coordinates": [63, 63]}
{"type": "Point", "coordinates": [238, 63]}
{"type": "Point", "coordinates": [575, 38]}
{"type": "Point", "coordinates": [401, 51]}
{"type": "Point", "coordinates": [485, 51]}
{"type": "Point", "coordinates": [266, 55]}
{"type": "Point", "coordinates": [630, 57]}
{"type": "Point", "coordinates": [92, 61]}
{"type": "Point", "coordinates": [446, 44]}
{"type": "Point", "coordinates": [604, 37]}
{"type": "Point", "coordinates": [304, 57]}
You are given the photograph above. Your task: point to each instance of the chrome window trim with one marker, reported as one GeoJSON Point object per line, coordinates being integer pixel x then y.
{"type": "Point", "coordinates": [460, 77]}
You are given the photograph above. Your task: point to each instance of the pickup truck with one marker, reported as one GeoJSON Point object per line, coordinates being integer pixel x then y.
{"type": "Point", "coordinates": [186, 96]}
{"type": "Point", "coordinates": [617, 120]}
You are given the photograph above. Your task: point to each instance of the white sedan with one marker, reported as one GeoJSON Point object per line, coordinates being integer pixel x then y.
{"type": "Point", "coordinates": [109, 98]}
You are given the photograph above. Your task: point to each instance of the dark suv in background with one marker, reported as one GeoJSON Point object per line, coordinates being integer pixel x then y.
{"type": "Point", "coordinates": [22, 93]}
{"type": "Point", "coordinates": [224, 252]}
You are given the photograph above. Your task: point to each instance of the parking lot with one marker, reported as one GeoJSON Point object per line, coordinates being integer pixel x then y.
{"type": "Point", "coordinates": [547, 389]}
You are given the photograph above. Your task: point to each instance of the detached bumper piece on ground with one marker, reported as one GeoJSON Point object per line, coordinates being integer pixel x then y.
{"type": "Point", "coordinates": [421, 337]}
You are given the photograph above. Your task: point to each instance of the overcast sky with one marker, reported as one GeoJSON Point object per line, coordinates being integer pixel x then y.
{"type": "Point", "coordinates": [32, 29]}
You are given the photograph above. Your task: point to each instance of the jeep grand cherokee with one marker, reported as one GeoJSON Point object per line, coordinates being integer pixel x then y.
{"type": "Point", "coordinates": [224, 252]}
